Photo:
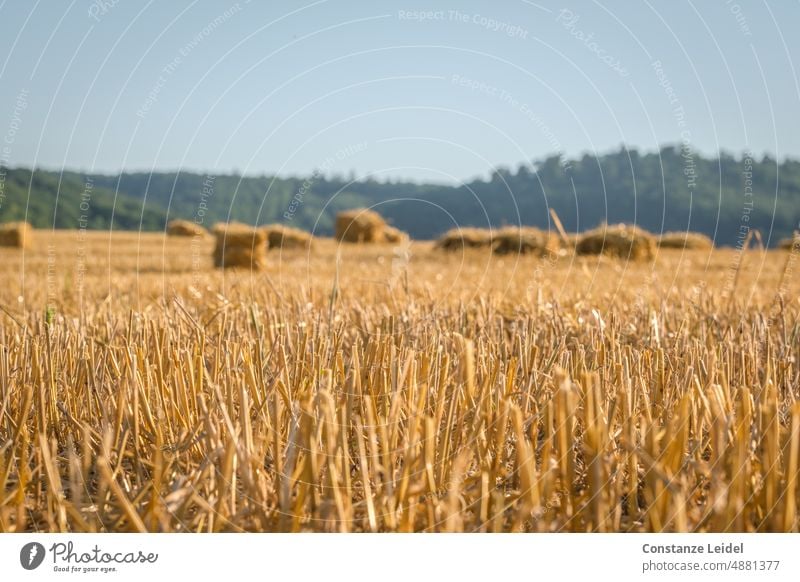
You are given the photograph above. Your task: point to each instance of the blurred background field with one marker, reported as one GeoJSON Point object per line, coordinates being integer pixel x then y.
{"type": "Point", "coordinates": [139, 270]}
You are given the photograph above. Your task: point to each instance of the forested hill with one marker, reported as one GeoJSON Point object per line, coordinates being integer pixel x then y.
{"type": "Point", "coordinates": [667, 190]}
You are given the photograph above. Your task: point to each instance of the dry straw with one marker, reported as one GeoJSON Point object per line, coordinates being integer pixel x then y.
{"type": "Point", "coordinates": [280, 236]}
{"type": "Point", "coordinates": [16, 234]}
{"type": "Point", "coordinates": [239, 245]}
{"type": "Point", "coordinates": [179, 227]}
{"type": "Point", "coordinates": [617, 406]}
{"type": "Point", "coordinates": [685, 240]}
{"type": "Point", "coordinates": [622, 241]}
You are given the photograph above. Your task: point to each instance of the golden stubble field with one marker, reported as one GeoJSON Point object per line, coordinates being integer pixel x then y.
{"type": "Point", "coordinates": [395, 388]}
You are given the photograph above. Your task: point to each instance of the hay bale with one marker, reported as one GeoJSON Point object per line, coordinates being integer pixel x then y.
{"type": "Point", "coordinates": [280, 236]}
{"type": "Point", "coordinates": [525, 240]}
{"type": "Point", "coordinates": [360, 225]}
{"type": "Point", "coordinates": [179, 227]}
{"type": "Point", "coordinates": [457, 239]}
{"type": "Point", "coordinates": [239, 245]}
{"type": "Point", "coordinates": [16, 234]}
{"type": "Point", "coordinates": [622, 240]}
{"type": "Point", "coordinates": [394, 235]}
{"type": "Point", "coordinates": [685, 240]}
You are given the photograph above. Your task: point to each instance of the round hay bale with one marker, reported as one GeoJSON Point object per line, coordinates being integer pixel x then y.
{"type": "Point", "coordinates": [240, 245]}
{"type": "Point", "coordinates": [685, 240]}
{"type": "Point", "coordinates": [624, 241]}
{"type": "Point", "coordinates": [360, 225]}
{"type": "Point", "coordinates": [16, 234]}
{"type": "Point", "coordinates": [457, 239]}
{"type": "Point", "coordinates": [179, 227]}
{"type": "Point", "coordinates": [791, 243]}
{"type": "Point", "coordinates": [285, 237]}
{"type": "Point", "coordinates": [524, 240]}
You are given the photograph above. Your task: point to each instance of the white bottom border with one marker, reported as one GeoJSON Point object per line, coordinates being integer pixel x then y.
{"type": "Point", "coordinates": [401, 557]}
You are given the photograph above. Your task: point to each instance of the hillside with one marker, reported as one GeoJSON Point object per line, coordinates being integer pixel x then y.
{"type": "Point", "coordinates": [51, 200]}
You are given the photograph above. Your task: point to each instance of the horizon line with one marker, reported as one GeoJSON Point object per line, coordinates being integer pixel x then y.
{"type": "Point", "coordinates": [737, 155]}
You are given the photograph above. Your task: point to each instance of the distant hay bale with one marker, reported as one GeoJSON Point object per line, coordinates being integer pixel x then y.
{"type": "Point", "coordinates": [239, 245]}
{"type": "Point", "coordinates": [457, 239]}
{"type": "Point", "coordinates": [394, 235]}
{"type": "Point", "coordinates": [622, 240]}
{"type": "Point", "coordinates": [16, 234]}
{"type": "Point", "coordinates": [685, 240]}
{"type": "Point", "coordinates": [524, 240]}
{"type": "Point", "coordinates": [179, 227]}
{"type": "Point", "coordinates": [285, 237]}
{"type": "Point", "coordinates": [791, 243]}
{"type": "Point", "coordinates": [362, 225]}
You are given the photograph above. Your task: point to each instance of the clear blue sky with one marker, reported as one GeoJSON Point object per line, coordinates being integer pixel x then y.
{"type": "Point", "coordinates": [427, 90]}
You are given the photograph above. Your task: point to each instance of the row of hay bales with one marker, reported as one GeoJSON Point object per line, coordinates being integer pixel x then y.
{"type": "Point", "coordinates": [278, 235]}
{"type": "Point", "coordinates": [365, 226]}
{"type": "Point", "coordinates": [241, 245]}
{"type": "Point", "coordinates": [620, 240]}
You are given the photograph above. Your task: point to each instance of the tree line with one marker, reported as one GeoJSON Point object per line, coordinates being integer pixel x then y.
{"type": "Point", "coordinates": [673, 189]}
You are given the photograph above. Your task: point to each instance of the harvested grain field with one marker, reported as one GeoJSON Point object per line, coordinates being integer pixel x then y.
{"type": "Point", "coordinates": [386, 388]}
